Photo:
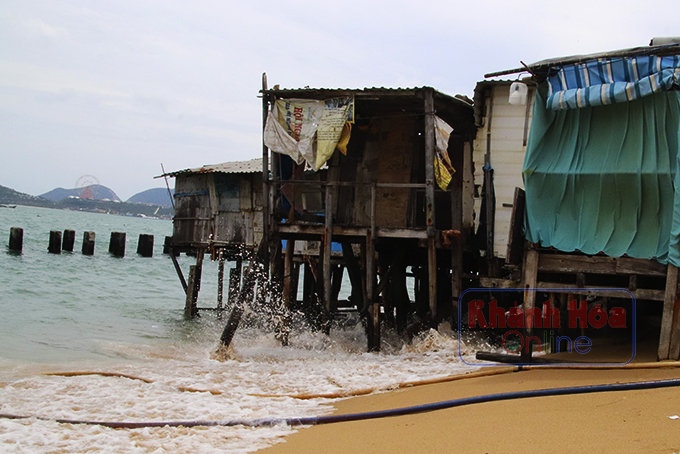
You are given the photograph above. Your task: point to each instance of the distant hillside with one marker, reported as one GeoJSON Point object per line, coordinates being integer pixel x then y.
{"type": "Point", "coordinates": [156, 196]}
{"type": "Point", "coordinates": [94, 192]}
{"type": "Point", "coordinates": [11, 197]}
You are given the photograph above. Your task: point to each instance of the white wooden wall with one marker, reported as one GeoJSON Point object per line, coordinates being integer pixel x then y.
{"type": "Point", "coordinates": [507, 134]}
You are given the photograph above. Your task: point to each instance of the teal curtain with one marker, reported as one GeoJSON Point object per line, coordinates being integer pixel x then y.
{"type": "Point", "coordinates": [603, 179]}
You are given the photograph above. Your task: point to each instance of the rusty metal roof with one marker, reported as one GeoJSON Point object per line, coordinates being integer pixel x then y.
{"type": "Point", "coordinates": [320, 93]}
{"type": "Point", "coordinates": [252, 166]}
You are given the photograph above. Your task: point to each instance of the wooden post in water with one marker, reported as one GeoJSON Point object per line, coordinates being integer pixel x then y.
{"type": "Point", "coordinates": [117, 244]}
{"type": "Point", "coordinates": [145, 245]}
{"type": "Point", "coordinates": [88, 243]}
{"type": "Point", "coordinates": [16, 239]}
{"type": "Point", "coordinates": [220, 280]}
{"type": "Point", "coordinates": [55, 242]}
{"type": "Point", "coordinates": [167, 246]}
{"type": "Point", "coordinates": [190, 307]}
{"type": "Point", "coordinates": [69, 240]}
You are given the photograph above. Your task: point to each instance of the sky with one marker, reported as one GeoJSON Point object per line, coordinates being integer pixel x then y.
{"type": "Point", "coordinates": [108, 90]}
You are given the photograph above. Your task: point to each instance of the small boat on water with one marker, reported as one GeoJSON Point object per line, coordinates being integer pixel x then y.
{"type": "Point", "coordinates": [2, 205]}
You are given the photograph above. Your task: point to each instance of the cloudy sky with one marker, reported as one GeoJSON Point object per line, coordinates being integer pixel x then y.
{"type": "Point", "coordinates": [114, 88]}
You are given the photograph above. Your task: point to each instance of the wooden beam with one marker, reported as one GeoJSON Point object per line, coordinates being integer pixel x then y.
{"type": "Point", "coordinates": [564, 263]}
{"type": "Point", "coordinates": [641, 293]}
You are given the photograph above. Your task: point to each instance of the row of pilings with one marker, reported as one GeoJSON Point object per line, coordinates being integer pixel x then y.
{"type": "Point", "coordinates": [65, 241]}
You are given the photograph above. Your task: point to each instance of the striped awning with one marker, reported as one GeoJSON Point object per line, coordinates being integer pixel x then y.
{"type": "Point", "coordinates": [609, 81]}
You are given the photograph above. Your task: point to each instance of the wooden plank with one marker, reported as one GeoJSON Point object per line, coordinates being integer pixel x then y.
{"type": "Point", "coordinates": [627, 265]}
{"type": "Point", "coordinates": [641, 293]}
{"type": "Point", "coordinates": [513, 255]}
{"type": "Point", "coordinates": [301, 229]}
{"type": "Point", "coordinates": [561, 263]}
{"type": "Point", "coordinates": [667, 315]}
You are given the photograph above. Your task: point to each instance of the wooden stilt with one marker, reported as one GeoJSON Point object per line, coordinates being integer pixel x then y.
{"type": "Point", "coordinates": [670, 296]}
{"type": "Point", "coordinates": [373, 316]}
{"type": "Point", "coordinates": [287, 274]}
{"type": "Point", "coordinates": [530, 276]}
{"type": "Point", "coordinates": [220, 280]}
{"type": "Point", "coordinates": [190, 303]}
{"type": "Point", "coordinates": [432, 280]}
{"type": "Point", "coordinates": [327, 243]}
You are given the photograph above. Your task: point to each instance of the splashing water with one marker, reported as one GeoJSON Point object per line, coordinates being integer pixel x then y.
{"type": "Point", "coordinates": [72, 313]}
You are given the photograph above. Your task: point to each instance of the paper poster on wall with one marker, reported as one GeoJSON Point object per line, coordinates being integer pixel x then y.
{"type": "Point", "coordinates": [309, 130]}
{"type": "Point", "coordinates": [443, 169]}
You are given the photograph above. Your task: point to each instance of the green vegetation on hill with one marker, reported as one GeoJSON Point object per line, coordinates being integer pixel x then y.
{"type": "Point", "coordinates": [11, 197]}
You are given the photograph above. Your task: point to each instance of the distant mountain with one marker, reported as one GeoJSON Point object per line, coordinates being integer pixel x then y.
{"type": "Point", "coordinates": [94, 192]}
{"type": "Point", "coordinates": [11, 197]}
{"type": "Point", "coordinates": [156, 196]}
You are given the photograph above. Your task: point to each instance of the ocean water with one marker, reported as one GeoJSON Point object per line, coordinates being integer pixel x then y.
{"type": "Point", "coordinates": [73, 313]}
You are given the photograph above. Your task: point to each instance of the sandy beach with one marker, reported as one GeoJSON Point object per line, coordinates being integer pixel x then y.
{"type": "Point", "coordinates": [635, 421]}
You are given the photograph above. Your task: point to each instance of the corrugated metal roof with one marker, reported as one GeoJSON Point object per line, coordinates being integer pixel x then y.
{"type": "Point", "coordinates": [544, 65]}
{"type": "Point", "coordinates": [320, 93]}
{"type": "Point", "coordinates": [252, 166]}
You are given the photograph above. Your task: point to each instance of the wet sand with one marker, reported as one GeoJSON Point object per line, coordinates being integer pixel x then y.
{"type": "Point", "coordinates": [635, 421]}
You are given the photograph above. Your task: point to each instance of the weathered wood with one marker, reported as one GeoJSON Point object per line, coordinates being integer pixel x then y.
{"type": "Point", "coordinates": [674, 352]}
{"type": "Point", "coordinates": [190, 303]}
{"type": "Point", "coordinates": [429, 132]}
{"type": "Point", "coordinates": [493, 282]}
{"type": "Point", "coordinates": [312, 232]}
{"type": "Point", "coordinates": [117, 244]}
{"type": "Point", "coordinates": [245, 295]}
{"type": "Point", "coordinates": [515, 249]}
{"type": "Point", "coordinates": [88, 243]}
{"type": "Point", "coordinates": [515, 359]}
{"type": "Point", "coordinates": [642, 294]}
{"type": "Point", "coordinates": [373, 316]}
{"type": "Point", "coordinates": [54, 246]}
{"type": "Point", "coordinates": [175, 263]}
{"type": "Point", "coordinates": [68, 240]}
{"type": "Point", "coordinates": [220, 280]}
{"type": "Point", "coordinates": [145, 245]}
{"type": "Point", "coordinates": [327, 243]}
{"type": "Point", "coordinates": [563, 263]}
{"type": "Point", "coordinates": [531, 263]}
{"type": "Point", "coordinates": [287, 274]}
{"type": "Point", "coordinates": [16, 239]}
{"type": "Point", "coordinates": [670, 296]}
{"type": "Point", "coordinates": [432, 280]}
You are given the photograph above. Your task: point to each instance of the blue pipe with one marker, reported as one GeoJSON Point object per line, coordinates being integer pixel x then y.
{"type": "Point", "coordinates": [318, 420]}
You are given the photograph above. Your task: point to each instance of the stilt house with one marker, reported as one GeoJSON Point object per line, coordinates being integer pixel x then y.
{"type": "Point", "coordinates": [601, 207]}
{"type": "Point", "coordinates": [386, 173]}
{"type": "Point", "coordinates": [218, 210]}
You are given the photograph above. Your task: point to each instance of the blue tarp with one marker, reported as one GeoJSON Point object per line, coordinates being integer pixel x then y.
{"type": "Point", "coordinates": [611, 81]}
